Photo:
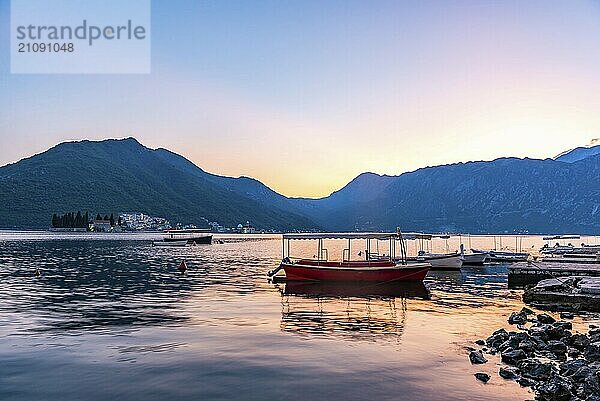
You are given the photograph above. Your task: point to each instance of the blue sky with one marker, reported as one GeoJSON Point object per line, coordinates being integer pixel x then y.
{"type": "Point", "coordinates": [305, 95]}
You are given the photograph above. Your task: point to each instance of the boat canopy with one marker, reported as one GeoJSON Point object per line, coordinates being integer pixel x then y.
{"type": "Point", "coordinates": [309, 236]}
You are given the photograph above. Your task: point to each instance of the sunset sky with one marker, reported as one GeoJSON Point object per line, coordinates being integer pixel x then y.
{"type": "Point", "coordinates": [305, 95]}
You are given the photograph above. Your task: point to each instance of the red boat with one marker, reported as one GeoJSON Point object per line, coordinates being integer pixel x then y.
{"type": "Point", "coordinates": [373, 267]}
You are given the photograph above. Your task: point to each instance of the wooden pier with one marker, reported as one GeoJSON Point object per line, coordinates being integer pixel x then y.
{"type": "Point", "coordinates": [524, 273]}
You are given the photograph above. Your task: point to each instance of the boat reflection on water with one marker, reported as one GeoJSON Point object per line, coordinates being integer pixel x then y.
{"type": "Point", "coordinates": [348, 311]}
{"type": "Point", "coordinates": [405, 289]}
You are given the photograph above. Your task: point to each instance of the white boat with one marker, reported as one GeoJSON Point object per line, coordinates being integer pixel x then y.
{"type": "Point", "coordinates": [558, 249]}
{"type": "Point", "coordinates": [474, 259]}
{"type": "Point", "coordinates": [169, 244]}
{"type": "Point", "coordinates": [185, 237]}
{"type": "Point", "coordinates": [504, 256]}
{"type": "Point", "coordinates": [439, 261]}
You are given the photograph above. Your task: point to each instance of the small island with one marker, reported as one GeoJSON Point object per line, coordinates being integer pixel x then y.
{"type": "Point", "coordinates": [80, 222]}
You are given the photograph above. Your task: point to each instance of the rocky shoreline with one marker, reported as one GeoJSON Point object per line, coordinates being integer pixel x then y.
{"type": "Point", "coordinates": [546, 356]}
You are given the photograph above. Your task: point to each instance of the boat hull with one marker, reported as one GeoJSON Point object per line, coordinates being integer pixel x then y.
{"type": "Point", "coordinates": [440, 262]}
{"type": "Point", "coordinates": [204, 239]}
{"type": "Point", "coordinates": [168, 244]}
{"type": "Point", "coordinates": [505, 257]}
{"type": "Point", "coordinates": [474, 259]}
{"type": "Point", "coordinates": [349, 272]}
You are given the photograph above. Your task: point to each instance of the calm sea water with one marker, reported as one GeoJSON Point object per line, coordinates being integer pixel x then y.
{"type": "Point", "coordinates": [111, 317]}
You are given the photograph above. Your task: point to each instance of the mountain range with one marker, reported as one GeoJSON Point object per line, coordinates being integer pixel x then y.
{"type": "Point", "coordinates": [560, 195]}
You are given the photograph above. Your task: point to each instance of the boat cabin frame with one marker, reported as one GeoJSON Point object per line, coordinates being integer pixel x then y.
{"type": "Point", "coordinates": [396, 242]}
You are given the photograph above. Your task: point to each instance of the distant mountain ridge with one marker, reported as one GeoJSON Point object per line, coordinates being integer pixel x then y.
{"type": "Point", "coordinates": [119, 175]}
{"type": "Point", "coordinates": [504, 195]}
{"type": "Point", "coordinates": [579, 153]}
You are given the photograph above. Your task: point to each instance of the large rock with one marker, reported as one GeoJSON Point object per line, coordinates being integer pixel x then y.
{"type": "Point", "coordinates": [518, 336]}
{"type": "Point", "coordinates": [497, 338]}
{"type": "Point", "coordinates": [508, 345]}
{"type": "Point", "coordinates": [555, 389]}
{"type": "Point", "coordinates": [539, 343]}
{"type": "Point", "coordinates": [567, 315]}
{"type": "Point", "coordinates": [526, 311]}
{"type": "Point", "coordinates": [579, 341]}
{"type": "Point", "coordinates": [581, 374]}
{"type": "Point", "coordinates": [513, 341]}
{"type": "Point", "coordinates": [528, 346]}
{"type": "Point", "coordinates": [484, 377]}
{"type": "Point", "coordinates": [571, 367]}
{"type": "Point", "coordinates": [512, 357]}
{"type": "Point", "coordinates": [573, 352]}
{"type": "Point", "coordinates": [476, 357]}
{"type": "Point", "coordinates": [563, 324]}
{"type": "Point", "coordinates": [594, 335]}
{"type": "Point", "coordinates": [509, 373]}
{"type": "Point", "coordinates": [592, 352]}
{"type": "Point", "coordinates": [539, 330]}
{"type": "Point", "coordinates": [525, 382]}
{"type": "Point", "coordinates": [591, 385]}
{"type": "Point", "coordinates": [557, 347]}
{"type": "Point", "coordinates": [545, 318]}
{"type": "Point", "coordinates": [557, 331]}
{"type": "Point", "coordinates": [536, 370]}
{"type": "Point", "coordinates": [517, 318]}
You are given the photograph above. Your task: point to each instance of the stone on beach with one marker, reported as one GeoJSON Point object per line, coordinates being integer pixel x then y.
{"type": "Point", "coordinates": [594, 335]}
{"type": "Point", "coordinates": [526, 311]}
{"type": "Point", "coordinates": [536, 370]}
{"type": "Point", "coordinates": [497, 338]}
{"type": "Point", "coordinates": [579, 341]}
{"type": "Point", "coordinates": [512, 357]}
{"type": "Point", "coordinates": [537, 358]}
{"type": "Point", "coordinates": [517, 318]}
{"type": "Point", "coordinates": [567, 315]}
{"type": "Point", "coordinates": [484, 377]}
{"type": "Point", "coordinates": [525, 382]}
{"type": "Point", "coordinates": [545, 318]}
{"type": "Point", "coordinates": [557, 347]}
{"type": "Point", "coordinates": [556, 389]}
{"type": "Point", "coordinates": [509, 373]}
{"type": "Point", "coordinates": [571, 367]}
{"type": "Point", "coordinates": [476, 357]}
{"type": "Point", "coordinates": [592, 352]}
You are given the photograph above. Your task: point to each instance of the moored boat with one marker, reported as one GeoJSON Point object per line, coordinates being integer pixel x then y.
{"type": "Point", "coordinates": [169, 244]}
{"type": "Point", "coordinates": [439, 261]}
{"type": "Point", "coordinates": [370, 268]}
{"type": "Point", "coordinates": [570, 249]}
{"type": "Point", "coordinates": [175, 237]}
{"type": "Point", "coordinates": [504, 256]}
{"type": "Point", "coordinates": [474, 259]}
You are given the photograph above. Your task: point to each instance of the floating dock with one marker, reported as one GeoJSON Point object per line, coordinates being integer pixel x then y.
{"type": "Point", "coordinates": [524, 273]}
{"type": "Point", "coordinates": [574, 292]}
{"type": "Point", "coordinates": [582, 260]}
